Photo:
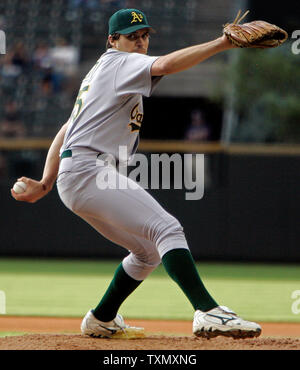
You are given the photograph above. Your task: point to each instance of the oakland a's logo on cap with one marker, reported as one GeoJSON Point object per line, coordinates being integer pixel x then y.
{"type": "Point", "coordinates": [125, 21]}
{"type": "Point", "coordinates": [136, 17]}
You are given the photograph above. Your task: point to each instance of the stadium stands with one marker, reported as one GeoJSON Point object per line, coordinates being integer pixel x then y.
{"type": "Point", "coordinates": [40, 33]}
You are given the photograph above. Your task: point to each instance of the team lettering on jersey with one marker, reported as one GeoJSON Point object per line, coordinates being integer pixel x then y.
{"type": "Point", "coordinates": [136, 119]}
{"type": "Point", "coordinates": [136, 17]}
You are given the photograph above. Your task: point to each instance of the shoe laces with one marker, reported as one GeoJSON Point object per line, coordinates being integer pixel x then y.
{"type": "Point", "coordinates": [227, 310]}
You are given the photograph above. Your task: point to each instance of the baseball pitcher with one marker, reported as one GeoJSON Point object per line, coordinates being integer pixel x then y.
{"type": "Point", "coordinates": [107, 114]}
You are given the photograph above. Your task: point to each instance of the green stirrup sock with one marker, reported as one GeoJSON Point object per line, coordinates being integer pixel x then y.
{"type": "Point", "coordinates": [180, 266]}
{"type": "Point", "coordinates": [121, 286]}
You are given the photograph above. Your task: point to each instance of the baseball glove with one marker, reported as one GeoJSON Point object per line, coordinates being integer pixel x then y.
{"type": "Point", "coordinates": [255, 34]}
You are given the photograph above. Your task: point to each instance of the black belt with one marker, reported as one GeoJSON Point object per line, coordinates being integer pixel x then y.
{"type": "Point", "coordinates": [68, 153]}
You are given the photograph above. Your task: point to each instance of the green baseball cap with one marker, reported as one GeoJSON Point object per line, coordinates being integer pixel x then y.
{"type": "Point", "coordinates": [125, 21]}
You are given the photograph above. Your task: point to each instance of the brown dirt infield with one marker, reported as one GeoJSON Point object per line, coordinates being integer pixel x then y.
{"type": "Point", "coordinates": [49, 333]}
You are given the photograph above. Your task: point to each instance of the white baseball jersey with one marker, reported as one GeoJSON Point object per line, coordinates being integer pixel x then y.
{"type": "Point", "coordinates": [107, 114]}
{"type": "Point", "coordinates": [108, 111]}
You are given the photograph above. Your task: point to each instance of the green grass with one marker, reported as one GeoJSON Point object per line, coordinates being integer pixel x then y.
{"type": "Point", "coordinates": [10, 333]}
{"type": "Point", "coordinates": [38, 287]}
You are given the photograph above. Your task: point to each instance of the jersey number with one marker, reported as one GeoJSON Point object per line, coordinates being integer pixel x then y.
{"type": "Point", "coordinates": [79, 102]}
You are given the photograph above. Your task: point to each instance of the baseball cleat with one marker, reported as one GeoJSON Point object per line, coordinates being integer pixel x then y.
{"type": "Point", "coordinates": [112, 329]}
{"type": "Point", "coordinates": [223, 321]}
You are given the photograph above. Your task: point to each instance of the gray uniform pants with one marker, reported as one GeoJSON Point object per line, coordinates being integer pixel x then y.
{"type": "Point", "coordinates": [128, 217]}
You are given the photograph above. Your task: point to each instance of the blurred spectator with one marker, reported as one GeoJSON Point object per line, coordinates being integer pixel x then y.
{"type": "Point", "coordinates": [64, 58]}
{"type": "Point", "coordinates": [19, 56]}
{"type": "Point", "coordinates": [198, 130]}
{"type": "Point", "coordinates": [41, 56]}
{"type": "Point", "coordinates": [53, 89]}
{"type": "Point", "coordinates": [49, 81]}
{"type": "Point", "coordinates": [12, 66]}
{"type": "Point", "coordinates": [12, 125]}
{"type": "Point", "coordinates": [9, 74]}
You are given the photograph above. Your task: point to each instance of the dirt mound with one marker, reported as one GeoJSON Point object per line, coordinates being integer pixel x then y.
{"type": "Point", "coordinates": [152, 342]}
{"type": "Point", "coordinates": [44, 333]}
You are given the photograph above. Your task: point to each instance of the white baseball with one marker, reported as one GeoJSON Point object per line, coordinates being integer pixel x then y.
{"type": "Point", "coordinates": [19, 187]}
